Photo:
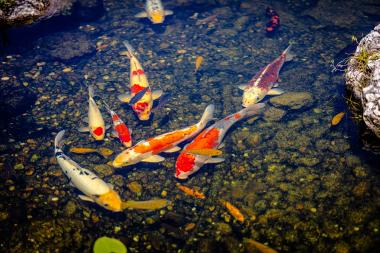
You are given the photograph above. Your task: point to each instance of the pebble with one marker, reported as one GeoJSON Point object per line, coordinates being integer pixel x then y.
{"type": "Point", "coordinates": [313, 210]}
{"type": "Point", "coordinates": [5, 78]}
{"type": "Point", "coordinates": [67, 70]}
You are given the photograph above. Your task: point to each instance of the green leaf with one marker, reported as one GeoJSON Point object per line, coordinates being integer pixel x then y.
{"type": "Point", "coordinates": [109, 245]}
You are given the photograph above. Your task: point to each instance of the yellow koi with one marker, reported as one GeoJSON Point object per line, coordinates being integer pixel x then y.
{"type": "Point", "coordinates": [191, 192]}
{"type": "Point", "coordinates": [233, 210]}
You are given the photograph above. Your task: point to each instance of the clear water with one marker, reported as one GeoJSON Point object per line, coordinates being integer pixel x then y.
{"type": "Point", "coordinates": [302, 185]}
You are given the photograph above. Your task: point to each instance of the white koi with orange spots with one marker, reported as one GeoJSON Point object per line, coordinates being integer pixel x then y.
{"type": "Point", "coordinates": [138, 82]}
{"type": "Point", "coordinates": [95, 120]}
{"type": "Point", "coordinates": [210, 138]}
{"type": "Point", "coordinates": [148, 150]}
{"type": "Point", "coordinates": [93, 188]}
{"type": "Point", "coordinates": [154, 10]}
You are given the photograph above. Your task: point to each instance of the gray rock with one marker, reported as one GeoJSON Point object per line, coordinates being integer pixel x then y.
{"type": "Point", "coordinates": [293, 100]}
{"type": "Point", "coordinates": [364, 78]}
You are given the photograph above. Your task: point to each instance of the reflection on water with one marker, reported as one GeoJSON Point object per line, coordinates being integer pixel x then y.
{"type": "Point", "coordinates": [301, 184]}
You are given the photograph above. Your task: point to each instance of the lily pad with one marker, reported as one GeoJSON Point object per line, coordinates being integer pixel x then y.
{"type": "Point", "coordinates": [109, 245]}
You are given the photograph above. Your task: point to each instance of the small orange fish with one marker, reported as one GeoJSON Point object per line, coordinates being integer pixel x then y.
{"type": "Point", "coordinates": [337, 118]}
{"type": "Point", "coordinates": [191, 192]}
{"type": "Point", "coordinates": [233, 210]}
{"type": "Point", "coordinates": [205, 152]}
{"type": "Point", "coordinates": [198, 62]}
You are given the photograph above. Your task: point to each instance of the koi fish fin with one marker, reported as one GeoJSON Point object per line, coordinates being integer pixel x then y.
{"type": "Point", "coordinates": [58, 141]}
{"type": "Point", "coordinates": [207, 116]}
{"type": "Point", "coordinates": [275, 91]}
{"type": "Point", "coordinates": [252, 110]}
{"type": "Point", "coordinates": [84, 129]}
{"type": "Point", "coordinates": [154, 159]}
{"type": "Point", "coordinates": [111, 185]}
{"type": "Point", "coordinates": [107, 127]}
{"type": "Point", "coordinates": [142, 14]}
{"type": "Point", "coordinates": [126, 97]}
{"type": "Point", "coordinates": [242, 86]}
{"type": "Point", "coordinates": [275, 85]}
{"type": "Point", "coordinates": [85, 120]}
{"type": "Point", "coordinates": [288, 54]}
{"type": "Point", "coordinates": [85, 198]}
{"type": "Point", "coordinates": [157, 94]}
{"type": "Point", "coordinates": [131, 50]}
{"type": "Point", "coordinates": [215, 160]}
{"type": "Point", "coordinates": [173, 149]}
{"type": "Point", "coordinates": [221, 145]}
{"type": "Point", "coordinates": [168, 12]}
{"type": "Point", "coordinates": [114, 134]}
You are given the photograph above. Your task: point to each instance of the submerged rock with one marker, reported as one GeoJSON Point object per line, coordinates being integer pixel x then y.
{"type": "Point", "coordinates": [363, 78]}
{"type": "Point", "coordinates": [66, 46]}
{"type": "Point", "coordinates": [293, 100]}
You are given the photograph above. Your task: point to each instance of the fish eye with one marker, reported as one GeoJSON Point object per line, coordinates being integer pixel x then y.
{"type": "Point", "coordinates": [105, 204]}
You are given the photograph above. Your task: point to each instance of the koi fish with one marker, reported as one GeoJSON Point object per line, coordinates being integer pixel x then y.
{"type": "Point", "coordinates": [93, 188]}
{"type": "Point", "coordinates": [95, 120]}
{"type": "Point", "coordinates": [264, 82]}
{"type": "Point", "coordinates": [105, 152]}
{"type": "Point", "coordinates": [139, 82]}
{"type": "Point", "coordinates": [210, 138]}
{"type": "Point", "coordinates": [191, 192]}
{"type": "Point", "coordinates": [148, 150]}
{"type": "Point", "coordinates": [233, 210]}
{"type": "Point", "coordinates": [274, 21]}
{"type": "Point", "coordinates": [154, 10]}
{"type": "Point", "coordinates": [152, 204]}
{"type": "Point", "coordinates": [198, 62]}
{"type": "Point", "coordinates": [205, 152]}
{"type": "Point", "coordinates": [120, 128]}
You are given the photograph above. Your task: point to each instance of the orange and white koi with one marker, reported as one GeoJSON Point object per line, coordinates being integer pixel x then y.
{"type": "Point", "coordinates": [120, 128]}
{"type": "Point", "coordinates": [233, 210]}
{"type": "Point", "coordinates": [148, 150]}
{"type": "Point", "coordinates": [191, 192]}
{"type": "Point", "coordinates": [211, 138]}
{"type": "Point", "coordinates": [95, 120]}
{"type": "Point", "coordinates": [139, 82]}
{"type": "Point", "coordinates": [93, 187]}
{"type": "Point", "coordinates": [264, 82]}
{"type": "Point", "coordinates": [154, 10]}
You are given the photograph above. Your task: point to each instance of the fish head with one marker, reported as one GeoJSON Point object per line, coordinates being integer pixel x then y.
{"type": "Point", "coordinates": [110, 201]}
{"type": "Point", "coordinates": [98, 132]}
{"type": "Point", "coordinates": [157, 16]}
{"type": "Point", "coordinates": [253, 96]}
{"type": "Point", "coordinates": [185, 165]}
{"type": "Point", "coordinates": [142, 109]}
{"type": "Point", "coordinates": [127, 157]}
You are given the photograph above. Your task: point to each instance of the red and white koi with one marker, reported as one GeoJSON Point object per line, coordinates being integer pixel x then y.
{"type": "Point", "coordinates": [120, 128]}
{"type": "Point", "coordinates": [93, 188]}
{"type": "Point", "coordinates": [95, 120]}
{"type": "Point", "coordinates": [148, 150]}
{"type": "Point", "coordinates": [264, 82]}
{"type": "Point", "coordinates": [154, 10]}
{"type": "Point", "coordinates": [139, 82]}
{"type": "Point", "coordinates": [210, 138]}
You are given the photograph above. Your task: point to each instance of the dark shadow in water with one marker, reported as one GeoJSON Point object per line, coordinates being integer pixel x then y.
{"type": "Point", "coordinates": [14, 39]}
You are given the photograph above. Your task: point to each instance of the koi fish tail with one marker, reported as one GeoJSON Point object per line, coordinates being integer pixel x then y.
{"type": "Point", "coordinates": [288, 54]}
{"type": "Point", "coordinates": [107, 106]}
{"type": "Point", "coordinates": [130, 49]}
{"type": "Point", "coordinates": [252, 110]}
{"type": "Point", "coordinates": [91, 92]}
{"type": "Point", "coordinates": [58, 141]}
{"type": "Point", "coordinates": [207, 115]}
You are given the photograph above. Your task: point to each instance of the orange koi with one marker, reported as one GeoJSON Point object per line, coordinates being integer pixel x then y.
{"type": "Point", "coordinates": [337, 118]}
{"type": "Point", "coordinates": [120, 128]}
{"type": "Point", "coordinates": [233, 210]}
{"type": "Point", "coordinates": [148, 150]}
{"type": "Point", "coordinates": [198, 62]}
{"type": "Point", "coordinates": [190, 161]}
{"type": "Point", "coordinates": [191, 192]}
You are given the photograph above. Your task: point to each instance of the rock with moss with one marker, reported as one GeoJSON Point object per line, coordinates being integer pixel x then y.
{"type": "Point", "coordinates": [363, 78]}
{"type": "Point", "coordinates": [293, 100]}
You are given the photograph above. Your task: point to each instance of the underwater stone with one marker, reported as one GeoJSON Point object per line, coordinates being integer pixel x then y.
{"type": "Point", "coordinates": [103, 170]}
{"type": "Point", "coordinates": [223, 228]}
{"type": "Point", "coordinates": [70, 208]}
{"type": "Point", "coordinates": [363, 78]}
{"type": "Point", "coordinates": [274, 114]}
{"type": "Point", "coordinates": [293, 100]}
{"type": "Point", "coordinates": [360, 172]}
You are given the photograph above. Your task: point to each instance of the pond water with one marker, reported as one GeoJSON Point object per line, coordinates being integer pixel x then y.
{"type": "Point", "coordinates": [301, 184]}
